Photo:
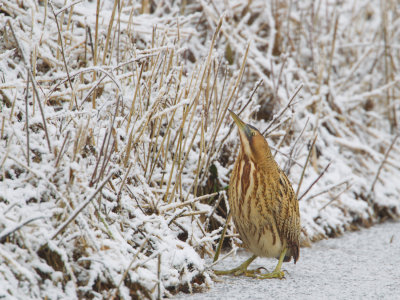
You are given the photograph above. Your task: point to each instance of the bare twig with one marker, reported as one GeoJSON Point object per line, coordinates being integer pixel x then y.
{"type": "Point", "coordinates": [27, 121]}
{"type": "Point", "coordinates": [57, 12]}
{"type": "Point", "coordinates": [5, 233]}
{"type": "Point", "coordinates": [315, 181]}
{"type": "Point", "coordinates": [110, 25]}
{"type": "Point", "coordinates": [378, 172]}
{"type": "Point", "coordinates": [34, 83]}
{"type": "Point", "coordinates": [223, 257]}
{"type": "Point", "coordinates": [107, 158]}
{"type": "Point", "coordinates": [176, 216]}
{"type": "Point", "coordinates": [335, 198]}
{"type": "Point", "coordinates": [305, 165]}
{"type": "Point", "coordinates": [41, 176]}
{"type": "Point", "coordinates": [332, 48]}
{"type": "Point", "coordinates": [177, 205]}
{"type": "Point", "coordinates": [61, 150]}
{"type": "Point", "coordinates": [129, 267]}
{"type": "Point", "coordinates": [288, 164]}
{"type": "Point", "coordinates": [81, 207]}
{"type": "Point", "coordinates": [211, 213]}
{"type": "Point", "coordinates": [221, 240]}
{"type": "Point", "coordinates": [101, 152]}
{"type": "Point", "coordinates": [291, 159]}
{"type": "Point", "coordinates": [277, 117]}
{"type": "Point", "coordinates": [330, 187]}
{"type": "Point", "coordinates": [159, 276]}
{"type": "Point", "coordinates": [250, 98]}
{"type": "Point", "coordinates": [60, 37]}
{"type": "Point", "coordinates": [123, 182]}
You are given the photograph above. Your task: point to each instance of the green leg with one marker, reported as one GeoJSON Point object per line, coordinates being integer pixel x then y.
{"type": "Point", "coordinates": [277, 273]}
{"type": "Point", "coordinates": [242, 269]}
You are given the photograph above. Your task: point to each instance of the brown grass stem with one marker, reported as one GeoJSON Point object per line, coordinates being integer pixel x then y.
{"type": "Point", "coordinates": [27, 122]}
{"type": "Point", "coordinates": [60, 38]}
{"type": "Point", "coordinates": [34, 84]}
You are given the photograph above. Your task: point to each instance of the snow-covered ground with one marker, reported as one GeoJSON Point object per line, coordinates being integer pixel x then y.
{"type": "Point", "coordinates": [358, 265]}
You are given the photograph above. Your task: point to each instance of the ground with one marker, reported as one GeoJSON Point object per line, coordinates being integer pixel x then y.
{"type": "Point", "coordinates": [357, 265]}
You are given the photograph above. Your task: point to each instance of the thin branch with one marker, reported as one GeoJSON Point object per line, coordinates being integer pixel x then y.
{"type": "Point", "coordinates": [61, 150]}
{"type": "Point", "coordinates": [176, 216]}
{"type": "Point", "coordinates": [40, 175]}
{"type": "Point", "coordinates": [5, 233]}
{"type": "Point", "coordinates": [211, 213]}
{"type": "Point", "coordinates": [34, 84]}
{"type": "Point", "coordinates": [251, 98]}
{"type": "Point", "coordinates": [107, 158]}
{"type": "Point", "coordinates": [315, 181]}
{"type": "Point", "coordinates": [63, 53]}
{"type": "Point", "coordinates": [57, 12]}
{"type": "Point", "coordinates": [330, 187]}
{"type": "Point", "coordinates": [81, 207]}
{"type": "Point", "coordinates": [159, 277]}
{"type": "Point", "coordinates": [305, 165]}
{"type": "Point", "coordinates": [289, 162]}
{"type": "Point", "coordinates": [335, 198]}
{"type": "Point", "coordinates": [222, 258]}
{"type": "Point", "coordinates": [177, 205]}
{"type": "Point", "coordinates": [276, 118]}
{"type": "Point", "coordinates": [291, 159]}
{"type": "Point", "coordinates": [129, 267]}
{"type": "Point", "coordinates": [381, 165]}
{"type": "Point", "coordinates": [27, 121]}
{"type": "Point", "coordinates": [93, 179]}
{"type": "Point", "coordinates": [222, 238]}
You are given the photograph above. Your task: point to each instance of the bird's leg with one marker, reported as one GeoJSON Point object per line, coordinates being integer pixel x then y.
{"type": "Point", "coordinates": [242, 269]}
{"type": "Point", "coordinates": [277, 273]}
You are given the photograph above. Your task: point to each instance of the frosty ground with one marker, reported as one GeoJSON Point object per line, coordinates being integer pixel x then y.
{"type": "Point", "coordinates": [357, 265]}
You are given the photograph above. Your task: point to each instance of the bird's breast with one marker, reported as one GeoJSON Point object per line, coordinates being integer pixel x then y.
{"type": "Point", "coordinates": [250, 196]}
{"type": "Point", "coordinates": [241, 187]}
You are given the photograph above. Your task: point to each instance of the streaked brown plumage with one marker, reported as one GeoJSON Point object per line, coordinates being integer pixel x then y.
{"type": "Point", "coordinates": [263, 204]}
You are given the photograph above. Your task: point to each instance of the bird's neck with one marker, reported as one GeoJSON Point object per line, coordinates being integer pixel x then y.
{"type": "Point", "coordinates": [266, 161]}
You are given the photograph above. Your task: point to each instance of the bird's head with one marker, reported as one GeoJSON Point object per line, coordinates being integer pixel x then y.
{"type": "Point", "coordinates": [253, 142]}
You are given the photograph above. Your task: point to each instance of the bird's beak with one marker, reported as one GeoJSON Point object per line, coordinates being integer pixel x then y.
{"type": "Point", "coordinates": [243, 128]}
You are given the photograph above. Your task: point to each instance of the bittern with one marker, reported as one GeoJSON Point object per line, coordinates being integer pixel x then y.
{"type": "Point", "coordinates": [263, 205]}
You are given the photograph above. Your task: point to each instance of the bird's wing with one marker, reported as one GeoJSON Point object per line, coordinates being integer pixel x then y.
{"type": "Point", "coordinates": [280, 211]}
{"type": "Point", "coordinates": [288, 215]}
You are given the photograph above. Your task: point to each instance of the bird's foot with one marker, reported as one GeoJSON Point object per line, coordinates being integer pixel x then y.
{"type": "Point", "coordinates": [275, 274]}
{"type": "Point", "coordinates": [252, 273]}
{"type": "Point", "coordinates": [241, 270]}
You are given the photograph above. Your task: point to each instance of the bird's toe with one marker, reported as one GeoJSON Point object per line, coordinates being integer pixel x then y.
{"type": "Point", "coordinates": [274, 274]}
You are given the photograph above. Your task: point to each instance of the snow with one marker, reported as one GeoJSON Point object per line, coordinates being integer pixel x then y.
{"type": "Point", "coordinates": [357, 265]}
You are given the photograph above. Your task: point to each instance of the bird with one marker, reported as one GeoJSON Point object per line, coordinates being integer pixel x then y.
{"type": "Point", "coordinates": [263, 204]}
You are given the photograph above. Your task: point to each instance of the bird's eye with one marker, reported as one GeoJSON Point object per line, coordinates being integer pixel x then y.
{"type": "Point", "coordinates": [253, 133]}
